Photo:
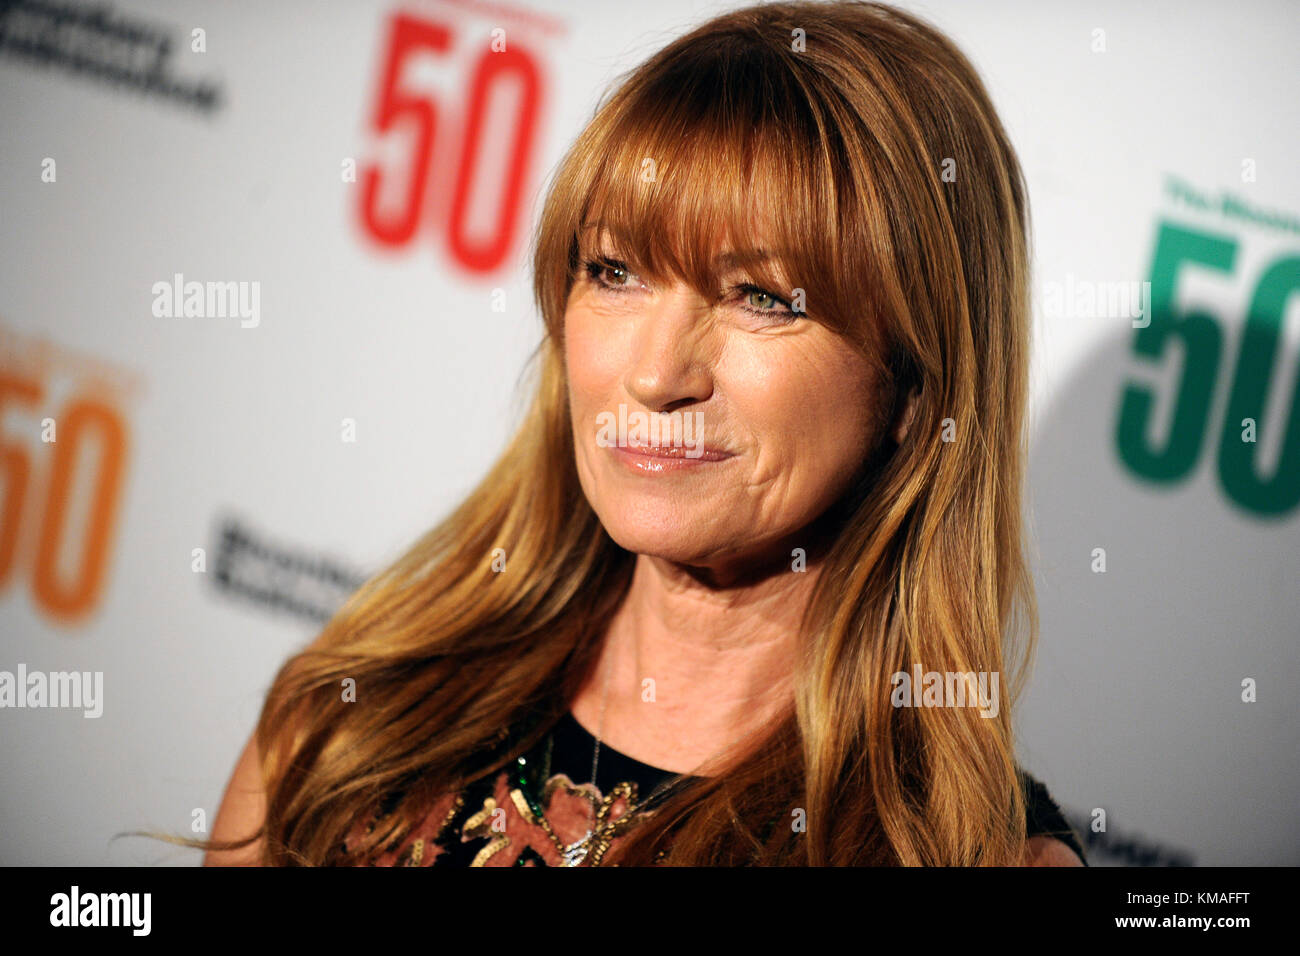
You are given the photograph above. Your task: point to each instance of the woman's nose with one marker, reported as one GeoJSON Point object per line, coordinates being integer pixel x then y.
{"type": "Point", "coordinates": [670, 362]}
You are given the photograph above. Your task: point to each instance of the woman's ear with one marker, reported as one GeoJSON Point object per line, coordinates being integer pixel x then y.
{"type": "Point", "coordinates": [903, 420]}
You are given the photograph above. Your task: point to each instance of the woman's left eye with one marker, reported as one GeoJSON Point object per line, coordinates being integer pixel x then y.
{"type": "Point", "coordinates": [764, 303]}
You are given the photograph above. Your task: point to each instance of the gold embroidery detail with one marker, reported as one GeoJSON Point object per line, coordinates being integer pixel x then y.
{"type": "Point", "coordinates": [478, 819]}
{"type": "Point", "coordinates": [417, 848]}
{"type": "Point", "coordinates": [492, 848]}
{"type": "Point", "coordinates": [415, 853]}
{"type": "Point", "coordinates": [451, 814]}
{"type": "Point", "coordinates": [521, 804]}
{"type": "Point", "coordinates": [480, 825]}
{"type": "Point", "coordinates": [603, 831]}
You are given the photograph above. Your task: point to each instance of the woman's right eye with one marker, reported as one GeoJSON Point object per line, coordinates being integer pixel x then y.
{"type": "Point", "coordinates": [610, 274]}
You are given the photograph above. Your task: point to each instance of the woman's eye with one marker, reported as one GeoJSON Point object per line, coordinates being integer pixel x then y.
{"type": "Point", "coordinates": [761, 302]}
{"type": "Point", "coordinates": [613, 275]}
{"type": "Point", "coordinates": [610, 274]}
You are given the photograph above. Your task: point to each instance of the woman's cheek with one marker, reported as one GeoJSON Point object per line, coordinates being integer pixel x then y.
{"type": "Point", "coordinates": [595, 353]}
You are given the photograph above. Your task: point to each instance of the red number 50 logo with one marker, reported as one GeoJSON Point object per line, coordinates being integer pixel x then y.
{"type": "Point", "coordinates": [395, 224]}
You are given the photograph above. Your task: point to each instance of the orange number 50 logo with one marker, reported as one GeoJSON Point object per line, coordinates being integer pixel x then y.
{"type": "Point", "coordinates": [67, 597]}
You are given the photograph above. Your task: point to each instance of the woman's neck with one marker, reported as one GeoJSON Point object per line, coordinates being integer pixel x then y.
{"type": "Point", "coordinates": [693, 667]}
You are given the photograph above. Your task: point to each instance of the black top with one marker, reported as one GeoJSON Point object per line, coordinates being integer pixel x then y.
{"type": "Point", "coordinates": [462, 834]}
{"type": "Point", "coordinates": [572, 754]}
{"type": "Point", "coordinates": [1044, 818]}
{"type": "Point", "coordinates": [573, 748]}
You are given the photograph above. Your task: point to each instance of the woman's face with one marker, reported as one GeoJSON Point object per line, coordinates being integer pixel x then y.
{"type": "Point", "coordinates": [771, 414]}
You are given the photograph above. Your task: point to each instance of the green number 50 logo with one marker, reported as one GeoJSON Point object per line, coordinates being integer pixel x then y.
{"type": "Point", "coordinates": [1201, 336]}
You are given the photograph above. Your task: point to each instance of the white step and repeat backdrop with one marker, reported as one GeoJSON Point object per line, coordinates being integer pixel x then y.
{"type": "Point", "coordinates": [224, 474]}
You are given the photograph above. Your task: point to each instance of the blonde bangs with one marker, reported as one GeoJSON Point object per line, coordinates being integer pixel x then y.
{"type": "Point", "coordinates": [723, 151]}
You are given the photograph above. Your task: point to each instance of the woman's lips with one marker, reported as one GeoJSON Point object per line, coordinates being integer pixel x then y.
{"type": "Point", "coordinates": [659, 458]}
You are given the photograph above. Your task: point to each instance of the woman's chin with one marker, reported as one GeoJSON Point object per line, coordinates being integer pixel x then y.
{"type": "Point", "coordinates": [670, 541]}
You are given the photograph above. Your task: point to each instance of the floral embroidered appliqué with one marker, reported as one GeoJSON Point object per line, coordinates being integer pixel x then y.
{"type": "Point", "coordinates": [508, 832]}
